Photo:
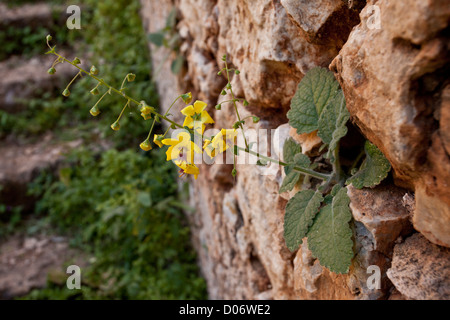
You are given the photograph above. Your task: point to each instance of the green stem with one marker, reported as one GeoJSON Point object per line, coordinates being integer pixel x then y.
{"type": "Point", "coordinates": [151, 130]}
{"type": "Point", "coordinates": [337, 165]}
{"type": "Point", "coordinates": [358, 158]}
{"type": "Point", "coordinates": [309, 172]}
{"type": "Point", "coordinates": [70, 83]}
{"type": "Point", "coordinates": [123, 110]}
{"type": "Point", "coordinates": [117, 91]}
{"type": "Point", "coordinates": [101, 98]}
{"type": "Point", "coordinates": [312, 173]}
{"type": "Point", "coordinates": [173, 103]}
{"type": "Point", "coordinates": [235, 105]}
{"type": "Point", "coordinates": [123, 83]}
{"type": "Point", "coordinates": [165, 133]}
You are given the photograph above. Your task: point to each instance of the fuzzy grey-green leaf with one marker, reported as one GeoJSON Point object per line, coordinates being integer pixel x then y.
{"type": "Point", "coordinates": [374, 169]}
{"type": "Point", "coordinates": [332, 122]}
{"type": "Point", "coordinates": [290, 149]}
{"type": "Point", "coordinates": [314, 93]}
{"type": "Point", "coordinates": [292, 176]}
{"type": "Point", "coordinates": [330, 237]}
{"type": "Point", "coordinates": [290, 181]}
{"type": "Point", "coordinates": [300, 212]}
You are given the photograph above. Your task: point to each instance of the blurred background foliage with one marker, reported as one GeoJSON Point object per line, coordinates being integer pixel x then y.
{"type": "Point", "coordinates": [121, 206]}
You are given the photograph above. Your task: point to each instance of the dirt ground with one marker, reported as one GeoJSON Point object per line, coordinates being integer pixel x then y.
{"type": "Point", "coordinates": [26, 262]}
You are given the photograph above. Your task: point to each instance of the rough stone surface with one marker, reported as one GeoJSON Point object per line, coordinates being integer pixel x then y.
{"type": "Point", "coordinates": [393, 79]}
{"type": "Point", "coordinates": [382, 212]}
{"type": "Point", "coordinates": [421, 270]}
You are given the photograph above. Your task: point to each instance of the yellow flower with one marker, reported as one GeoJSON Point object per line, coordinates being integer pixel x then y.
{"type": "Point", "coordinates": [181, 149]}
{"type": "Point", "coordinates": [196, 116]}
{"type": "Point", "coordinates": [210, 151]}
{"type": "Point", "coordinates": [186, 168]}
{"type": "Point", "coordinates": [157, 140]}
{"type": "Point", "coordinates": [224, 139]}
{"type": "Point", "coordinates": [146, 146]}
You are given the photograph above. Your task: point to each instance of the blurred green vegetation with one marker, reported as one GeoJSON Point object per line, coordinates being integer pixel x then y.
{"type": "Point", "coordinates": [121, 206]}
{"type": "Point", "coordinates": [27, 40]}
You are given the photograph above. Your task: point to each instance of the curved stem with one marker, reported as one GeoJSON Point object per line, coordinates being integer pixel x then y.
{"type": "Point", "coordinates": [173, 103]}
{"type": "Point", "coordinates": [151, 129]}
{"type": "Point", "coordinates": [123, 83]}
{"type": "Point", "coordinates": [123, 110]}
{"type": "Point", "coordinates": [309, 172]}
{"type": "Point", "coordinates": [117, 91]}
{"type": "Point", "coordinates": [235, 105]}
{"type": "Point", "coordinates": [70, 83]}
{"type": "Point", "coordinates": [306, 171]}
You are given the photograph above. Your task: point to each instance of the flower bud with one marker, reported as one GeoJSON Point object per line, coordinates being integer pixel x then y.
{"type": "Point", "coordinates": [146, 145]}
{"type": "Point", "coordinates": [246, 103]}
{"type": "Point", "coordinates": [131, 77]}
{"type": "Point", "coordinates": [255, 119]}
{"type": "Point", "coordinates": [145, 109]}
{"type": "Point", "coordinates": [76, 61]}
{"type": "Point", "coordinates": [224, 93]}
{"type": "Point", "coordinates": [157, 138]}
{"type": "Point", "coordinates": [66, 92]}
{"type": "Point", "coordinates": [187, 97]}
{"type": "Point", "coordinates": [49, 38]}
{"type": "Point", "coordinates": [51, 70]}
{"type": "Point", "coordinates": [95, 111]}
{"type": "Point", "coordinates": [234, 172]}
{"type": "Point", "coordinates": [115, 126]}
{"type": "Point", "coordinates": [237, 72]}
{"type": "Point", "coordinates": [93, 70]}
{"type": "Point", "coordinates": [219, 73]}
{"type": "Point", "coordinates": [229, 86]}
{"type": "Point", "coordinates": [95, 91]}
{"type": "Point", "coordinates": [224, 57]}
{"type": "Point", "coordinates": [219, 107]}
{"type": "Point", "coordinates": [146, 116]}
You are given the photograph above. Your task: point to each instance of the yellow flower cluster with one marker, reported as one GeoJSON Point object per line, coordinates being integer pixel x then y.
{"type": "Point", "coordinates": [182, 149]}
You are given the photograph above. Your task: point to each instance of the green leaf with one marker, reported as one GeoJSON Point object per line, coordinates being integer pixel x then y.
{"type": "Point", "coordinates": [330, 237]}
{"type": "Point", "coordinates": [171, 20]}
{"type": "Point", "coordinates": [156, 38]}
{"type": "Point", "coordinates": [292, 176]}
{"type": "Point", "coordinates": [374, 169]}
{"type": "Point", "coordinates": [314, 93]}
{"type": "Point", "coordinates": [333, 121]}
{"type": "Point", "coordinates": [177, 64]}
{"type": "Point", "coordinates": [290, 149]}
{"type": "Point", "coordinates": [300, 212]}
{"type": "Point", "coordinates": [329, 198]}
{"type": "Point", "coordinates": [290, 181]}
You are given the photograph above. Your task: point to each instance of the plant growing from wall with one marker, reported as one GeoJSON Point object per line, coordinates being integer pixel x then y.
{"type": "Point", "coordinates": [320, 213]}
{"type": "Point", "coordinates": [323, 215]}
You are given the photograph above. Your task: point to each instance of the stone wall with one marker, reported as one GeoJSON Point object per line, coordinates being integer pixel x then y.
{"type": "Point", "coordinates": [395, 80]}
